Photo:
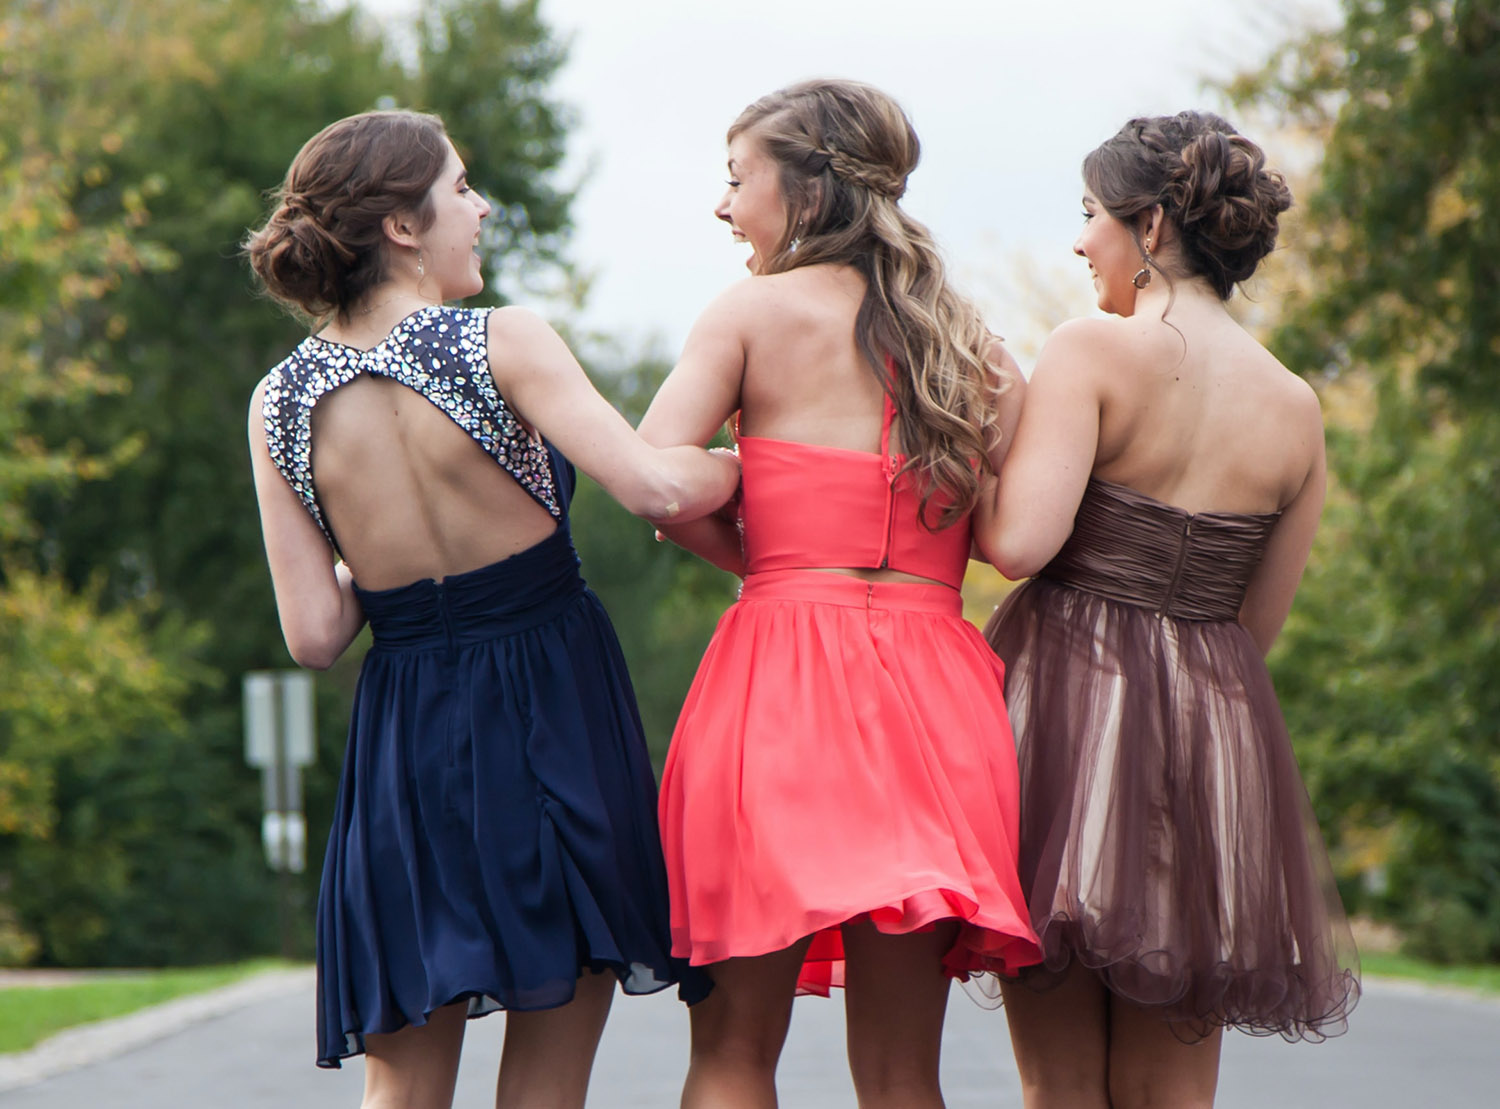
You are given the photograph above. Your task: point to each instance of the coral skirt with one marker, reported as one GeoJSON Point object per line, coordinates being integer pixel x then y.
{"type": "Point", "coordinates": [838, 760]}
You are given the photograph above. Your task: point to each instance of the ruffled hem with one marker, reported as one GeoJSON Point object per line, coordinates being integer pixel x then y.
{"type": "Point", "coordinates": [1296, 1002]}
{"type": "Point", "coordinates": [637, 979]}
{"type": "Point", "coordinates": [993, 943]}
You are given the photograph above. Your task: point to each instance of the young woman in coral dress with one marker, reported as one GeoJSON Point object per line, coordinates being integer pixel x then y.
{"type": "Point", "coordinates": [837, 809]}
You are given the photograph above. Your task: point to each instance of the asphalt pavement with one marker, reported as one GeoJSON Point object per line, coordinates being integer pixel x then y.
{"type": "Point", "coordinates": [1407, 1046]}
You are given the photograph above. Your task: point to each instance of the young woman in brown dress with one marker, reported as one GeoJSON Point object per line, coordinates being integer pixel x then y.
{"type": "Point", "coordinates": [1163, 489]}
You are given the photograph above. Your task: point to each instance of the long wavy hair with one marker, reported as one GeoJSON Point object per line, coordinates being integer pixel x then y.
{"type": "Point", "coordinates": [844, 150]}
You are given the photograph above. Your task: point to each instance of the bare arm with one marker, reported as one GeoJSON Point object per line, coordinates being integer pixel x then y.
{"type": "Point", "coordinates": [543, 382]}
{"type": "Point", "coordinates": [699, 395]}
{"type": "Point", "coordinates": [320, 616]}
{"type": "Point", "coordinates": [1029, 511]}
{"type": "Point", "coordinates": [1268, 598]}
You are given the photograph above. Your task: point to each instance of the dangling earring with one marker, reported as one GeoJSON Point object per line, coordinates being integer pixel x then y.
{"type": "Point", "coordinates": [1142, 276]}
{"type": "Point", "coordinates": [796, 239]}
{"type": "Point", "coordinates": [421, 272]}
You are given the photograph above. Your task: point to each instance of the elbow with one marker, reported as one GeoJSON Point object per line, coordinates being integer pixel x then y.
{"type": "Point", "coordinates": [657, 497]}
{"type": "Point", "coordinates": [312, 650]}
{"type": "Point", "coordinates": [1015, 560]}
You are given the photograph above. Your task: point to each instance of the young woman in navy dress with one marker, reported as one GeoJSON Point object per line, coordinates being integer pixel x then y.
{"type": "Point", "coordinates": [494, 843]}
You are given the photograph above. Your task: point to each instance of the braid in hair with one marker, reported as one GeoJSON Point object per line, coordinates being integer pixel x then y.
{"type": "Point", "coordinates": [845, 150]}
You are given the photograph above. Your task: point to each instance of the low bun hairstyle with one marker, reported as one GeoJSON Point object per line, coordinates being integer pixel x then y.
{"type": "Point", "coordinates": [323, 246]}
{"type": "Point", "coordinates": [1211, 182]}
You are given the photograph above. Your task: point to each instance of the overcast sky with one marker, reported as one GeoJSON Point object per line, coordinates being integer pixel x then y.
{"type": "Point", "coordinates": [1006, 97]}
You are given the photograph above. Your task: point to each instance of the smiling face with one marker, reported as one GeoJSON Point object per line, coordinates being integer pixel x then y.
{"type": "Point", "coordinates": [753, 205]}
{"type": "Point", "coordinates": [1113, 257]}
{"type": "Point", "coordinates": [449, 259]}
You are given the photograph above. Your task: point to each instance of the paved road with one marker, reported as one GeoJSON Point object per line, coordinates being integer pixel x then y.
{"type": "Point", "coordinates": [1407, 1047]}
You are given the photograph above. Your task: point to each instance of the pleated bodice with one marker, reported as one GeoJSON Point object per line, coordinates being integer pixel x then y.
{"type": "Point", "coordinates": [520, 592]}
{"type": "Point", "coordinates": [1137, 550]}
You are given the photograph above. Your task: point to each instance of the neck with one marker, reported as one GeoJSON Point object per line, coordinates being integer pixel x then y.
{"type": "Point", "coordinates": [386, 303]}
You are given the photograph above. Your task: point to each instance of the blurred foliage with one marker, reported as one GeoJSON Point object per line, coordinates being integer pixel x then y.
{"type": "Point", "coordinates": [1389, 667]}
{"type": "Point", "coordinates": [137, 140]}
{"type": "Point", "coordinates": [663, 602]}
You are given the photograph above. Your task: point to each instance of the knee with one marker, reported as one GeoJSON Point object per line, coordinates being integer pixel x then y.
{"type": "Point", "coordinates": [743, 1044]}
{"type": "Point", "coordinates": [1163, 1090]}
{"type": "Point", "coordinates": [1065, 1090]}
{"type": "Point", "coordinates": [895, 1083]}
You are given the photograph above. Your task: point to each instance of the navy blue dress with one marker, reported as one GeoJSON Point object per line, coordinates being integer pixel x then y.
{"type": "Point", "coordinates": [495, 831]}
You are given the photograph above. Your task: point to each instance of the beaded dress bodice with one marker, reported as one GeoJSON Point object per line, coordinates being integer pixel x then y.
{"type": "Point", "coordinates": [442, 353]}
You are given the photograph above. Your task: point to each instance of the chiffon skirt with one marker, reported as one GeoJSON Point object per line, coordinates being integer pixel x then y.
{"type": "Point", "coordinates": [495, 831]}
{"type": "Point", "coordinates": [1167, 841]}
{"type": "Point", "coordinates": [837, 761]}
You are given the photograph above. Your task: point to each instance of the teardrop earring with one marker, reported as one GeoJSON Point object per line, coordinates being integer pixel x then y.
{"type": "Point", "coordinates": [1142, 276]}
{"type": "Point", "coordinates": [421, 272]}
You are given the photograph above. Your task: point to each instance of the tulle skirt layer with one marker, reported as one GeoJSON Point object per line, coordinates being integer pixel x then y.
{"type": "Point", "coordinates": [1167, 841]}
{"type": "Point", "coordinates": [837, 760]}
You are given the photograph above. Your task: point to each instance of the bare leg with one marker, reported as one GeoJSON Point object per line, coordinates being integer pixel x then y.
{"type": "Point", "coordinates": [415, 1068]}
{"type": "Point", "coordinates": [549, 1054]}
{"type": "Point", "coordinates": [1061, 1039]}
{"type": "Point", "coordinates": [738, 1031]}
{"type": "Point", "coordinates": [895, 998]}
{"type": "Point", "coordinates": [1149, 1065]}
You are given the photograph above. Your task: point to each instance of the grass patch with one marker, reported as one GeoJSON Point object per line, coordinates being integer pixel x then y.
{"type": "Point", "coordinates": [29, 1014]}
{"type": "Point", "coordinates": [1483, 979]}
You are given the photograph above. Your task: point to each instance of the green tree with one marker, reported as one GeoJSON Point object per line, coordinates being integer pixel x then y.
{"type": "Point", "coordinates": [1390, 665]}
{"type": "Point", "coordinates": [156, 127]}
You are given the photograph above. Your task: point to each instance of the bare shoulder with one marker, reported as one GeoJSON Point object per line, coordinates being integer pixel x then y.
{"type": "Point", "coordinates": [1082, 348]}
{"type": "Point", "coordinates": [514, 325]}
{"type": "Point", "coordinates": [1296, 400]}
{"type": "Point", "coordinates": [257, 410]}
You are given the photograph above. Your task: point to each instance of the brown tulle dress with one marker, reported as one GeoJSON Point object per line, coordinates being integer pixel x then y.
{"type": "Point", "coordinates": [1167, 841]}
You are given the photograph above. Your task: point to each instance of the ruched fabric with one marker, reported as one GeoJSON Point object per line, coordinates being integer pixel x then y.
{"type": "Point", "coordinates": [837, 761]}
{"type": "Point", "coordinates": [495, 829]}
{"type": "Point", "coordinates": [1167, 841]}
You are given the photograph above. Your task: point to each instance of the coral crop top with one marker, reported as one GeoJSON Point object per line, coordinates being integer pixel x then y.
{"type": "Point", "coordinates": [806, 506]}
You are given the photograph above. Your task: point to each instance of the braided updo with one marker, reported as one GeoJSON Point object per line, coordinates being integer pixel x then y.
{"type": "Point", "coordinates": [322, 247]}
{"type": "Point", "coordinates": [1211, 182]}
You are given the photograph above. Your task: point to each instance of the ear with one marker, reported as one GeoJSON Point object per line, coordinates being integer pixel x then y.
{"type": "Point", "coordinates": [398, 230]}
{"type": "Point", "coordinates": [1152, 228]}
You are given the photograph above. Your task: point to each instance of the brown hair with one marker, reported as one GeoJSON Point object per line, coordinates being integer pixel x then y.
{"type": "Point", "coordinates": [844, 150]}
{"type": "Point", "coordinates": [1211, 182]}
{"type": "Point", "coordinates": [323, 246]}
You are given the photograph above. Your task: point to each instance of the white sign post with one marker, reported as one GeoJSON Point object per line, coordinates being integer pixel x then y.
{"type": "Point", "coordinates": [279, 739]}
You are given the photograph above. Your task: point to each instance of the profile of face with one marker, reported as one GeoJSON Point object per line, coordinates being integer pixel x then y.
{"type": "Point", "coordinates": [753, 205]}
{"type": "Point", "coordinates": [450, 258]}
{"type": "Point", "coordinates": [1113, 257]}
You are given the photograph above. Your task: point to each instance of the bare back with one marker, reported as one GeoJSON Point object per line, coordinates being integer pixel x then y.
{"type": "Point", "coordinates": [409, 493]}
{"type": "Point", "coordinates": [1197, 414]}
{"type": "Point", "coordinates": [805, 378]}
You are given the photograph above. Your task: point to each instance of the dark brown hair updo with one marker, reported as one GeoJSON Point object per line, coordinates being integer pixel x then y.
{"type": "Point", "coordinates": [1211, 182]}
{"type": "Point", "coordinates": [844, 150]}
{"type": "Point", "coordinates": [322, 248]}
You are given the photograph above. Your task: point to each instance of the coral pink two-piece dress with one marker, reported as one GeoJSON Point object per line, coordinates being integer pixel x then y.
{"type": "Point", "coordinates": [838, 757]}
